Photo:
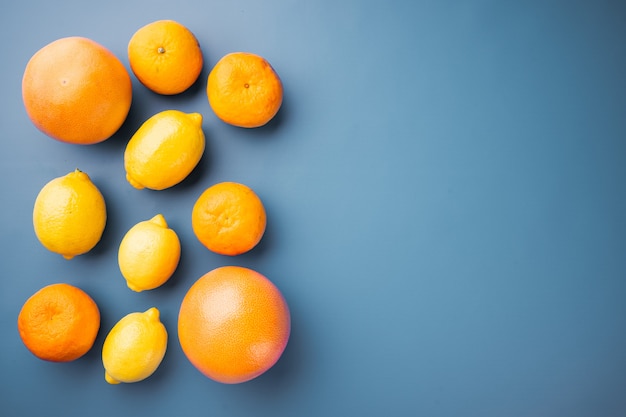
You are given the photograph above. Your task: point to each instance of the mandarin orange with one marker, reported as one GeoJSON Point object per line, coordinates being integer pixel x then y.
{"type": "Point", "coordinates": [229, 218]}
{"type": "Point", "coordinates": [244, 90]}
{"type": "Point", "coordinates": [59, 323]}
{"type": "Point", "coordinates": [165, 56]}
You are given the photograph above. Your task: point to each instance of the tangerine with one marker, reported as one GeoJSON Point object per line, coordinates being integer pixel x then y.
{"type": "Point", "coordinates": [229, 218]}
{"type": "Point", "coordinates": [76, 91]}
{"type": "Point", "coordinates": [244, 90]}
{"type": "Point", "coordinates": [165, 56]}
{"type": "Point", "coordinates": [59, 323]}
{"type": "Point", "coordinates": [233, 324]}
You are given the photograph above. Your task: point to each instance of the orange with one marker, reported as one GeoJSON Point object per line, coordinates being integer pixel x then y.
{"type": "Point", "coordinates": [244, 90]}
{"type": "Point", "coordinates": [165, 57]}
{"type": "Point", "coordinates": [59, 323]}
{"type": "Point", "coordinates": [77, 91]}
{"type": "Point", "coordinates": [233, 324]}
{"type": "Point", "coordinates": [228, 218]}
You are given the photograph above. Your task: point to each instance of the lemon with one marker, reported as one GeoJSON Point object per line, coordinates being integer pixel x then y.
{"type": "Point", "coordinates": [134, 348]}
{"type": "Point", "coordinates": [69, 215]}
{"type": "Point", "coordinates": [148, 254]}
{"type": "Point", "coordinates": [164, 150]}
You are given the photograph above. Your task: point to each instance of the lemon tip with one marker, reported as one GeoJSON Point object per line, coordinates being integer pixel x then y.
{"type": "Point", "coordinates": [108, 378]}
{"type": "Point", "coordinates": [159, 220]}
{"type": "Point", "coordinates": [196, 118]}
{"type": "Point", "coordinates": [133, 287]}
{"type": "Point", "coordinates": [134, 183]}
{"type": "Point", "coordinates": [153, 313]}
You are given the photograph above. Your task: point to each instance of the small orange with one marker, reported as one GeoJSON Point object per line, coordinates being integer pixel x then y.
{"type": "Point", "coordinates": [76, 91]}
{"type": "Point", "coordinates": [233, 324]}
{"type": "Point", "coordinates": [165, 56]}
{"type": "Point", "coordinates": [244, 90]}
{"type": "Point", "coordinates": [229, 218]}
{"type": "Point", "coordinates": [59, 323]}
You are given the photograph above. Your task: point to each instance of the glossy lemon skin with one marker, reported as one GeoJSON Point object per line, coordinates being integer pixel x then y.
{"type": "Point", "coordinates": [164, 150]}
{"type": "Point", "coordinates": [148, 254]}
{"type": "Point", "coordinates": [69, 215]}
{"type": "Point", "coordinates": [134, 347]}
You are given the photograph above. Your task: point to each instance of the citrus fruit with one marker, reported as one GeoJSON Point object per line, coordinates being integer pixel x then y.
{"type": "Point", "coordinates": [69, 215]}
{"type": "Point", "coordinates": [134, 347]}
{"type": "Point", "coordinates": [244, 90]}
{"type": "Point", "coordinates": [165, 56]}
{"type": "Point", "coordinates": [76, 91]}
{"type": "Point", "coordinates": [233, 324]}
{"type": "Point", "coordinates": [148, 254]}
{"type": "Point", "coordinates": [228, 218]}
{"type": "Point", "coordinates": [59, 323]}
{"type": "Point", "coordinates": [164, 150]}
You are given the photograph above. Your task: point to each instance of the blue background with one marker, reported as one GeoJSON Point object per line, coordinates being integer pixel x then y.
{"type": "Point", "coordinates": [446, 208]}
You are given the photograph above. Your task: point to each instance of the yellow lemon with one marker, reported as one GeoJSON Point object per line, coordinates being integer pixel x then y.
{"type": "Point", "coordinates": [164, 150]}
{"type": "Point", "coordinates": [148, 254]}
{"type": "Point", "coordinates": [134, 348]}
{"type": "Point", "coordinates": [69, 215]}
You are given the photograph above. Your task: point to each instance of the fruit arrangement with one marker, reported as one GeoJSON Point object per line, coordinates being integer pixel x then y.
{"type": "Point", "coordinates": [233, 323]}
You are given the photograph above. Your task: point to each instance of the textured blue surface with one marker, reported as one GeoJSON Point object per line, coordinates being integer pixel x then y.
{"type": "Point", "coordinates": [445, 196]}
